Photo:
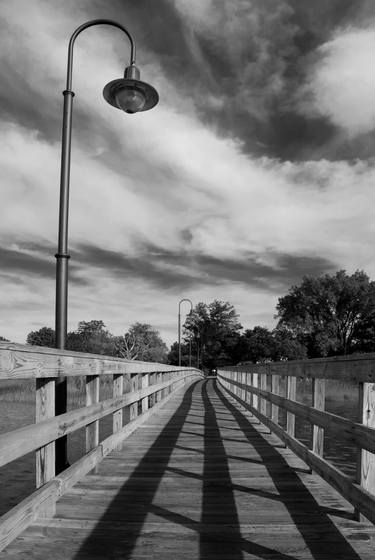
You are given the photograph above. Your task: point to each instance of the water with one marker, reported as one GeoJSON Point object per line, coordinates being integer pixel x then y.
{"type": "Point", "coordinates": [17, 479]}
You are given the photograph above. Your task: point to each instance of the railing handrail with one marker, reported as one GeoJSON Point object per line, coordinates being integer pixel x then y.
{"type": "Point", "coordinates": [26, 361]}
{"type": "Point", "coordinates": [254, 386]}
{"type": "Point", "coordinates": [353, 367]}
{"type": "Point", "coordinates": [150, 385]}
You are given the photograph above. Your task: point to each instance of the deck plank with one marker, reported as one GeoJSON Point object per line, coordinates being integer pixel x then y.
{"type": "Point", "coordinates": [202, 479]}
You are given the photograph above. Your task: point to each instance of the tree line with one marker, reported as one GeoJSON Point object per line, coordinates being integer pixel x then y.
{"type": "Point", "coordinates": [140, 342]}
{"type": "Point", "coordinates": [322, 316]}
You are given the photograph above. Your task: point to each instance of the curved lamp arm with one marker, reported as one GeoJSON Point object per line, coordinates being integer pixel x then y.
{"type": "Point", "coordinates": [179, 330]}
{"type": "Point", "coordinates": [82, 28]}
{"type": "Point", "coordinates": [185, 299]}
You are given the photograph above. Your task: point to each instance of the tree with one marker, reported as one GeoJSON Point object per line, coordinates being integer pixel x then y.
{"type": "Point", "coordinates": [287, 346]}
{"type": "Point", "coordinates": [43, 337]}
{"type": "Point", "coordinates": [215, 327]}
{"type": "Point", "coordinates": [256, 345]}
{"type": "Point", "coordinates": [92, 337]}
{"type": "Point", "coordinates": [329, 314]}
{"type": "Point", "coordinates": [2, 339]}
{"type": "Point", "coordinates": [173, 355]}
{"type": "Point", "coordinates": [142, 342]}
{"type": "Point", "coordinates": [260, 345]}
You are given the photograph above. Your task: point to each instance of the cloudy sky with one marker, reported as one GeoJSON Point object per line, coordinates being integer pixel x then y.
{"type": "Point", "coordinates": [256, 168]}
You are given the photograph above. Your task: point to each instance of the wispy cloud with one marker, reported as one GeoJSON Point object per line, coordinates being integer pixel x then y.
{"type": "Point", "coordinates": [188, 197]}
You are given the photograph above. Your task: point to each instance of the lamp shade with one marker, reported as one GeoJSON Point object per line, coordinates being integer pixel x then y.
{"type": "Point", "coordinates": [130, 95]}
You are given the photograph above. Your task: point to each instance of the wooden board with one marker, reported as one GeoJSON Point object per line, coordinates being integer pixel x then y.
{"type": "Point", "coordinates": [200, 480]}
{"type": "Point", "coordinates": [23, 361]}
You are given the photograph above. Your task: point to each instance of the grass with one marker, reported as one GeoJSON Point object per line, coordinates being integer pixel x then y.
{"type": "Point", "coordinates": [23, 390]}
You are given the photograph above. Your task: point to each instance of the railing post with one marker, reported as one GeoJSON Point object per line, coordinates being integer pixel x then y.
{"type": "Point", "coordinates": [118, 390]}
{"type": "Point", "coordinates": [275, 389]}
{"type": "Point", "coordinates": [263, 402]}
{"type": "Point", "coordinates": [365, 459]}
{"type": "Point", "coordinates": [151, 381]}
{"type": "Point", "coordinates": [92, 397]}
{"type": "Point", "coordinates": [255, 385]}
{"type": "Point", "coordinates": [291, 389]}
{"type": "Point", "coordinates": [159, 394]}
{"type": "Point", "coordinates": [145, 383]}
{"type": "Point", "coordinates": [249, 397]}
{"type": "Point", "coordinates": [133, 387]}
{"type": "Point", "coordinates": [319, 396]}
{"type": "Point", "coordinates": [44, 409]}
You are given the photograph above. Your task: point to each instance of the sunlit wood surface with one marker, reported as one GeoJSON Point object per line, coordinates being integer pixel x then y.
{"type": "Point", "coordinates": [202, 479]}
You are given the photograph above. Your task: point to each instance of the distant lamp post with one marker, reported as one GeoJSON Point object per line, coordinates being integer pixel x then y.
{"type": "Point", "coordinates": [179, 330]}
{"type": "Point", "coordinates": [131, 95]}
{"type": "Point", "coordinates": [198, 340]}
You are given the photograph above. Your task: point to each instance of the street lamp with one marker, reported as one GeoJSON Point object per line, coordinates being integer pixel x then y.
{"type": "Point", "coordinates": [179, 330]}
{"type": "Point", "coordinates": [131, 95]}
{"type": "Point", "coordinates": [198, 340]}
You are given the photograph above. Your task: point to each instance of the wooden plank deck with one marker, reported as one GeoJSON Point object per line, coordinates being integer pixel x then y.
{"type": "Point", "coordinates": [202, 479]}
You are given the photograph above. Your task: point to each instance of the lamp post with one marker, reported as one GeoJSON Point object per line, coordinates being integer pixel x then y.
{"type": "Point", "coordinates": [179, 330]}
{"type": "Point", "coordinates": [198, 340]}
{"type": "Point", "coordinates": [131, 95]}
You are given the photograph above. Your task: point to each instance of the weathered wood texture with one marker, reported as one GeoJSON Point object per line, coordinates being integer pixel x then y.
{"type": "Point", "coordinates": [291, 387]}
{"type": "Point", "coordinates": [17, 443]}
{"type": "Point", "coordinates": [44, 409]}
{"type": "Point", "coordinates": [359, 497]}
{"type": "Point", "coordinates": [118, 390]}
{"type": "Point", "coordinates": [275, 389]}
{"type": "Point", "coordinates": [366, 458]}
{"type": "Point", "coordinates": [18, 361]}
{"type": "Point", "coordinates": [353, 432]}
{"type": "Point", "coordinates": [201, 480]}
{"type": "Point", "coordinates": [319, 396]}
{"type": "Point", "coordinates": [360, 368]}
{"type": "Point", "coordinates": [92, 397]}
{"type": "Point", "coordinates": [40, 504]}
{"type": "Point", "coordinates": [22, 361]}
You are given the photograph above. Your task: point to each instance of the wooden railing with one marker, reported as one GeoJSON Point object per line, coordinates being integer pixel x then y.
{"type": "Point", "coordinates": [256, 385]}
{"type": "Point", "coordinates": [140, 388]}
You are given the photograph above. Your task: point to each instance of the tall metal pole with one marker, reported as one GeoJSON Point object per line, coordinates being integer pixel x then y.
{"type": "Point", "coordinates": [62, 256]}
{"type": "Point", "coordinates": [198, 339]}
{"type": "Point", "coordinates": [179, 330]}
{"type": "Point", "coordinates": [179, 335]}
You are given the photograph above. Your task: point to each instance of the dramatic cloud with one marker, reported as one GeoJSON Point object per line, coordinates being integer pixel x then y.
{"type": "Point", "coordinates": [341, 84]}
{"type": "Point", "coordinates": [241, 181]}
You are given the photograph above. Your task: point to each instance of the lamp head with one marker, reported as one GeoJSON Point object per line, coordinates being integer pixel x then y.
{"type": "Point", "coordinates": [129, 93]}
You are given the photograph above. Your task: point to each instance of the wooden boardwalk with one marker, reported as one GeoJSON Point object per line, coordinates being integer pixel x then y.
{"type": "Point", "coordinates": [201, 479]}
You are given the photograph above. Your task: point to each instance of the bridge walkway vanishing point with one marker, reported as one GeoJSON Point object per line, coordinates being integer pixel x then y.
{"type": "Point", "coordinates": [201, 478]}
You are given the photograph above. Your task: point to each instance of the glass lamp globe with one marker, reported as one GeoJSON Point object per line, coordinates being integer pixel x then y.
{"type": "Point", "coordinates": [130, 100]}
{"type": "Point", "coordinates": [130, 94]}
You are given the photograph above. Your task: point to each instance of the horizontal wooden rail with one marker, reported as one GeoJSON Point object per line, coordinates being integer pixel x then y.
{"type": "Point", "coordinates": [255, 385]}
{"type": "Point", "coordinates": [17, 443]}
{"type": "Point", "coordinates": [149, 386]}
{"type": "Point", "coordinates": [18, 361]}
{"type": "Point", "coordinates": [359, 368]}
{"type": "Point", "coordinates": [353, 432]}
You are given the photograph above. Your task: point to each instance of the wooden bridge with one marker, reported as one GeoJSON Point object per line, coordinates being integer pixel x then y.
{"type": "Point", "coordinates": [195, 467]}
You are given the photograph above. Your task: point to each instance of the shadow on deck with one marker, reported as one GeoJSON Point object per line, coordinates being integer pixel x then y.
{"type": "Point", "coordinates": [203, 480]}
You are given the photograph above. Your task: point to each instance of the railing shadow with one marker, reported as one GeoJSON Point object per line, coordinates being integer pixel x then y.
{"type": "Point", "coordinates": [305, 510]}
{"type": "Point", "coordinates": [217, 493]}
{"type": "Point", "coordinates": [124, 504]}
{"type": "Point", "coordinates": [218, 531]}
